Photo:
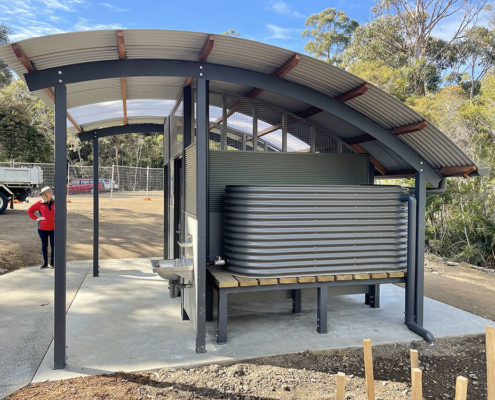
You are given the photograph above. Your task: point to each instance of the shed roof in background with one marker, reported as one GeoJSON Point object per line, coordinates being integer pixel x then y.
{"type": "Point", "coordinates": [79, 47]}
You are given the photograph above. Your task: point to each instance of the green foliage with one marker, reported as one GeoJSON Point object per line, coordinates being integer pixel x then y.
{"type": "Point", "coordinates": [5, 72]}
{"type": "Point", "coordinates": [19, 140]}
{"type": "Point", "coordinates": [331, 32]}
{"type": "Point", "coordinates": [231, 32]}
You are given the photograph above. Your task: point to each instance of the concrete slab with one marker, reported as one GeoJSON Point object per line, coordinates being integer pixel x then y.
{"type": "Point", "coordinates": [26, 325]}
{"type": "Point", "coordinates": [125, 321]}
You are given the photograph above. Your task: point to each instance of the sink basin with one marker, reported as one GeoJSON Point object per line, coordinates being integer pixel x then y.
{"type": "Point", "coordinates": [174, 269]}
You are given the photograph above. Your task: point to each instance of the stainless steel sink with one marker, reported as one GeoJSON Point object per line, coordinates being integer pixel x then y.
{"type": "Point", "coordinates": [174, 269]}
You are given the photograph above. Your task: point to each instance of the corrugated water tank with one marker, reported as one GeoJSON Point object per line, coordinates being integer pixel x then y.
{"type": "Point", "coordinates": [302, 230]}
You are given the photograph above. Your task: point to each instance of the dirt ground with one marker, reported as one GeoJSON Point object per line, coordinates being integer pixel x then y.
{"type": "Point", "coordinates": [308, 375]}
{"type": "Point", "coordinates": [129, 227]}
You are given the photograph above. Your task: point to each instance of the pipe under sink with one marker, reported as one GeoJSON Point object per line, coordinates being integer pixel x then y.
{"type": "Point", "coordinates": [174, 269]}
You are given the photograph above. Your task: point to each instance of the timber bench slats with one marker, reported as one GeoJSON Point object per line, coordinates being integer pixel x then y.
{"type": "Point", "coordinates": [224, 279]}
{"type": "Point", "coordinates": [226, 283]}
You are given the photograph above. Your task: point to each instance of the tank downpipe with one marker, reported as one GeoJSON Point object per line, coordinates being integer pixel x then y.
{"type": "Point", "coordinates": [411, 270]}
{"type": "Point", "coordinates": [442, 187]}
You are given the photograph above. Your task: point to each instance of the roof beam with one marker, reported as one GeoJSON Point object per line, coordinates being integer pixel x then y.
{"type": "Point", "coordinates": [456, 171]}
{"type": "Point", "coordinates": [203, 55]}
{"type": "Point", "coordinates": [90, 71]}
{"type": "Point", "coordinates": [353, 93]}
{"type": "Point", "coordinates": [24, 60]}
{"type": "Point", "coordinates": [401, 130]}
{"type": "Point", "coordinates": [464, 171]}
{"type": "Point", "coordinates": [123, 82]}
{"type": "Point", "coordinates": [280, 72]}
{"type": "Point", "coordinates": [121, 129]}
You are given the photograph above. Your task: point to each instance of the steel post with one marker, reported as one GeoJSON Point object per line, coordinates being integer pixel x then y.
{"type": "Point", "coordinates": [322, 310]}
{"type": "Point", "coordinates": [255, 127]}
{"type": "Point", "coordinates": [222, 317]}
{"type": "Point", "coordinates": [202, 150]}
{"type": "Point", "coordinates": [96, 208]}
{"type": "Point", "coordinates": [166, 192]}
{"type": "Point", "coordinates": [60, 250]}
{"type": "Point", "coordinates": [296, 301]}
{"type": "Point", "coordinates": [420, 194]}
{"type": "Point", "coordinates": [223, 137]}
{"type": "Point", "coordinates": [284, 132]}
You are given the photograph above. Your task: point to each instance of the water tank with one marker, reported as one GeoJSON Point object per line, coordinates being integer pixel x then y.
{"type": "Point", "coordinates": [311, 230]}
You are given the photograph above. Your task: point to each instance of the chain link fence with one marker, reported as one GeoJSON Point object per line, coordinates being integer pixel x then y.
{"type": "Point", "coordinates": [118, 178]}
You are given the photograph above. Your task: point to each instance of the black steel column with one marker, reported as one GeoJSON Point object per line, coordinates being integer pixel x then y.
{"type": "Point", "coordinates": [420, 194]}
{"type": "Point", "coordinates": [202, 149]}
{"type": "Point", "coordinates": [166, 192]}
{"type": "Point", "coordinates": [96, 207]}
{"type": "Point", "coordinates": [60, 250]}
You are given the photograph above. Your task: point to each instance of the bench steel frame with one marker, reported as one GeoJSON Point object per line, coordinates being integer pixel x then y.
{"type": "Point", "coordinates": [322, 298]}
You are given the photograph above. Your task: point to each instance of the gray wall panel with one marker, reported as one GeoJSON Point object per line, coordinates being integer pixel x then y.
{"type": "Point", "coordinates": [272, 168]}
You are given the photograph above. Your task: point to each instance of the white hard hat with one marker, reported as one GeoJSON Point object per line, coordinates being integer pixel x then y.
{"type": "Point", "coordinates": [45, 189]}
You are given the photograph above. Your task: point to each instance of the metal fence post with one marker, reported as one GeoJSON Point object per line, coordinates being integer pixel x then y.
{"type": "Point", "coordinates": [112, 184]}
{"type": "Point", "coordinates": [59, 338]}
{"type": "Point", "coordinates": [202, 143]}
{"type": "Point", "coordinates": [420, 193]}
{"type": "Point", "coordinates": [96, 217]}
{"type": "Point", "coordinates": [147, 179]}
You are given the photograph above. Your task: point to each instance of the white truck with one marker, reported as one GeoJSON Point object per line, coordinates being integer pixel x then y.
{"type": "Point", "coordinates": [17, 184]}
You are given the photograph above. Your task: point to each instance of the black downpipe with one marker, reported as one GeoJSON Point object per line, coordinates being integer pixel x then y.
{"type": "Point", "coordinates": [411, 269]}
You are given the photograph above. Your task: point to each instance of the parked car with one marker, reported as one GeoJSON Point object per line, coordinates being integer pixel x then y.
{"type": "Point", "coordinates": [105, 183]}
{"type": "Point", "coordinates": [109, 184]}
{"type": "Point", "coordinates": [83, 186]}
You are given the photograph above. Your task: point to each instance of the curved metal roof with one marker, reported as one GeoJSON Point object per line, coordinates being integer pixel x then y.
{"type": "Point", "coordinates": [79, 47]}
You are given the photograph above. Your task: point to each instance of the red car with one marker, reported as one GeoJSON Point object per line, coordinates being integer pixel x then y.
{"type": "Point", "coordinates": [83, 186]}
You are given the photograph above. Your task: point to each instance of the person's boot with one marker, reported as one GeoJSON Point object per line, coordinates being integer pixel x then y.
{"type": "Point", "coordinates": [45, 265]}
{"type": "Point", "coordinates": [51, 265]}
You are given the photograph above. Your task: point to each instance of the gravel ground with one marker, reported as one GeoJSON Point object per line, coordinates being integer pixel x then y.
{"type": "Point", "coordinates": [308, 375]}
{"type": "Point", "coordinates": [131, 227]}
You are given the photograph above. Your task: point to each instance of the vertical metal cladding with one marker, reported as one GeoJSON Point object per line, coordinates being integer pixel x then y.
{"type": "Point", "coordinates": [310, 230]}
{"type": "Point", "coordinates": [190, 184]}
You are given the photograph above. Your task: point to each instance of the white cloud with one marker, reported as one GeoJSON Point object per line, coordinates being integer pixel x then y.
{"type": "Point", "coordinates": [113, 8]}
{"type": "Point", "coordinates": [277, 32]}
{"type": "Point", "coordinates": [85, 25]}
{"type": "Point", "coordinates": [283, 8]}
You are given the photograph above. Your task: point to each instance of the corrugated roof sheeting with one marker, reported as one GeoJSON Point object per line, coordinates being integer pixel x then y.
{"type": "Point", "coordinates": [247, 54]}
{"type": "Point", "coordinates": [335, 124]}
{"type": "Point", "coordinates": [84, 93]}
{"type": "Point", "coordinates": [323, 77]}
{"type": "Point", "coordinates": [388, 158]}
{"type": "Point", "coordinates": [156, 43]}
{"type": "Point", "coordinates": [437, 149]}
{"type": "Point", "coordinates": [292, 105]}
{"type": "Point", "coordinates": [79, 47]}
{"type": "Point", "coordinates": [384, 108]}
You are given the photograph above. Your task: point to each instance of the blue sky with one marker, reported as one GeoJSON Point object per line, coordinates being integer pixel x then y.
{"type": "Point", "coordinates": [276, 22]}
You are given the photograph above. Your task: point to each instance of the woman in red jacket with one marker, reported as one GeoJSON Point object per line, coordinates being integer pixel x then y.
{"type": "Point", "coordinates": [46, 222]}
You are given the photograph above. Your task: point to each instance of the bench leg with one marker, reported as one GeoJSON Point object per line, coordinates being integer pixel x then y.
{"type": "Point", "coordinates": [367, 295]}
{"type": "Point", "coordinates": [374, 296]}
{"type": "Point", "coordinates": [209, 300]}
{"type": "Point", "coordinates": [296, 301]}
{"type": "Point", "coordinates": [322, 310]}
{"type": "Point", "coordinates": [222, 318]}
{"type": "Point", "coordinates": [183, 313]}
